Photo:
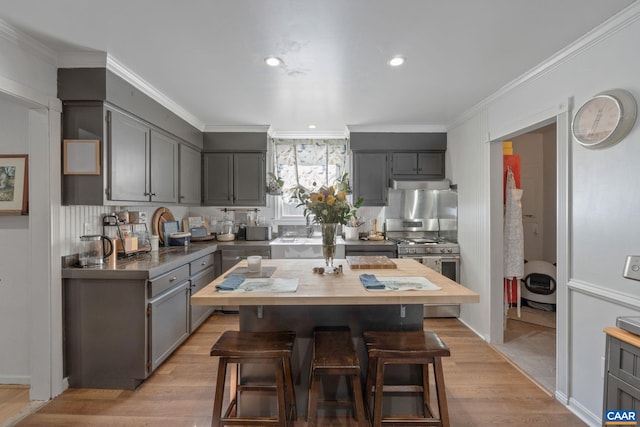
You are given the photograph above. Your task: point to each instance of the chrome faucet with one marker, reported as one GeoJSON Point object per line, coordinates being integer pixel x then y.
{"type": "Point", "coordinates": [309, 227]}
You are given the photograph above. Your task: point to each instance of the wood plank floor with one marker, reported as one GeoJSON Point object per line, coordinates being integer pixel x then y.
{"type": "Point", "coordinates": [483, 389]}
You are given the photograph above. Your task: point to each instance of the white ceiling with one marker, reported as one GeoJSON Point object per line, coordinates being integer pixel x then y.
{"type": "Point", "coordinates": [207, 55]}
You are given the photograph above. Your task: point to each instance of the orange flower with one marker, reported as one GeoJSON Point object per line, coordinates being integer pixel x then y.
{"type": "Point", "coordinates": [342, 196]}
{"type": "Point", "coordinates": [320, 198]}
{"type": "Point", "coordinates": [331, 199]}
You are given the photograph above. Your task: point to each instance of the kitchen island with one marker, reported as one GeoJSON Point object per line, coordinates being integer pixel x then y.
{"type": "Point", "coordinates": [335, 300]}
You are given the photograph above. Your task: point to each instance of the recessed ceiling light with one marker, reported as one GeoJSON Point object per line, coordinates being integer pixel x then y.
{"type": "Point", "coordinates": [396, 61]}
{"type": "Point", "coordinates": [312, 126]}
{"type": "Point", "coordinates": [272, 61]}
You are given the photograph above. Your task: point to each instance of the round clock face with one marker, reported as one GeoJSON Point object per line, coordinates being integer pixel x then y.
{"type": "Point", "coordinates": [605, 119]}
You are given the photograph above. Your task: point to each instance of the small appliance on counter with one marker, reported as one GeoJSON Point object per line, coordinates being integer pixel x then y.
{"type": "Point", "coordinates": [94, 249]}
{"type": "Point", "coordinates": [258, 232]}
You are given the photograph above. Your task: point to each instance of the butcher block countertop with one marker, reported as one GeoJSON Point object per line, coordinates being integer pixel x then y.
{"type": "Point", "coordinates": [339, 289]}
{"type": "Point", "coordinates": [368, 262]}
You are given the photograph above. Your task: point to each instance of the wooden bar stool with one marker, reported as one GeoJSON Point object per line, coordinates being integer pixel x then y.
{"type": "Point", "coordinates": [422, 348]}
{"type": "Point", "coordinates": [273, 348]}
{"type": "Point", "coordinates": [335, 355]}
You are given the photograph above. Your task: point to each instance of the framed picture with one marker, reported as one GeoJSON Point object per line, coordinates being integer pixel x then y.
{"type": "Point", "coordinates": [14, 184]}
{"type": "Point", "coordinates": [81, 157]}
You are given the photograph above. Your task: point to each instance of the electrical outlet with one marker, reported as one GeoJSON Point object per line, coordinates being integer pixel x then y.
{"type": "Point", "coordinates": [632, 267]}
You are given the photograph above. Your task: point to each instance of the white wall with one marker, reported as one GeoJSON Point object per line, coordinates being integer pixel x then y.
{"type": "Point", "coordinates": [601, 201]}
{"type": "Point", "coordinates": [30, 328]}
{"type": "Point", "coordinates": [14, 261]}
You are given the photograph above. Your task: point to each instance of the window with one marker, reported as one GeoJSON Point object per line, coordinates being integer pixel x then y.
{"type": "Point", "coordinates": [310, 163]}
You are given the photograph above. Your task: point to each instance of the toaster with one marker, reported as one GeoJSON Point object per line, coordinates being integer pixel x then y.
{"type": "Point", "coordinates": [257, 232]}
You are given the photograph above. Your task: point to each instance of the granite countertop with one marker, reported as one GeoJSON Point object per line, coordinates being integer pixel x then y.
{"type": "Point", "coordinates": [144, 265]}
{"type": "Point", "coordinates": [245, 243]}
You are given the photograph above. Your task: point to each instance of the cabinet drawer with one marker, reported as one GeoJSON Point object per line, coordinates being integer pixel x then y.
{"type": "Point", "coordinates": [159, 284]}
{"type": "Point", "coordinates": [620, 395]}
{"type": "Point", "coordinates": [624, 361]}
{"type": "Point", "coordinates": [201, 263]}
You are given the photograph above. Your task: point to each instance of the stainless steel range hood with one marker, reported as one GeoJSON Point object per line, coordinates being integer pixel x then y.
{"type": "Point", "coordinates": [443, 184]}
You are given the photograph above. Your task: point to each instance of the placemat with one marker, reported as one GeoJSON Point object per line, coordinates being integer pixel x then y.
{"type": "Point", "coordinates": [406, 284]}
{"type": "Point", "coordinates": [266, 272]}
{"type": "Point", "coordinates": [266, 285]}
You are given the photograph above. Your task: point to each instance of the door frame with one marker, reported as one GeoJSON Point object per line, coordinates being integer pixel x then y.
{"type": "Point", "coordinates": [561, 115]}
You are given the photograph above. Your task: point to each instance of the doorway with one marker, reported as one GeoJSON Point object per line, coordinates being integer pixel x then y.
{"type": "Point", "coordinates": [530, 331]}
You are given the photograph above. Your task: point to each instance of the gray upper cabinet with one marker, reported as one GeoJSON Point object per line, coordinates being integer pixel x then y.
{"type": "Point", "coordinates": [139, 139]}
{"type": "Point", "coordinates": [420, 165]}
{"type": "Point", "coordinates": [190, 175]}
{"type": "Point", "coordinates": [217, 179]}
{"type": "Point", "coordinates": [128, 145]}
{"type": "Point", "coordinates": [143, 162]}
{"type": "Point", "coordinates": [164, 162]}
{"type": "Point", "coordinates": [370, 178]}
{"type": "Point", "coordinates": [249, 186]}
{"type": "Point", "coordinates": [234, 179]}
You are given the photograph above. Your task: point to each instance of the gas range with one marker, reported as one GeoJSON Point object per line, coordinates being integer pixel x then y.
{"type": "Point", "coordinates": [418, 246]}
{"type": "Point", "coordinates": [418, 237]}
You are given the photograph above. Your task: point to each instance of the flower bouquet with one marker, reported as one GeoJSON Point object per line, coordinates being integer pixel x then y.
{"type": "Point", "coordinates": [329, 207]}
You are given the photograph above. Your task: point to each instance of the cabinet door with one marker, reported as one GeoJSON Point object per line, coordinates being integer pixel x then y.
{"type": "Point", "coordinates": [404, 164]}
{"type": "Point", "coordinates": [217, 179]}
{"type": "Point", "coordinates": [164, 168]}
{"type": "Point", "coordinates": [168, 323]}
{"type": "Point", "coordinates": [128, 154]}
{"type": "Point", "coordinates": [431, 165]}
{"type": "Point", "coordinates": [200, 313]}
{"type": "Point", "coordinates": [190, 175]}
{"type": "Point", "coordinates": [370, 178]}
{"type": "Point", "coordinates": [249, 179]}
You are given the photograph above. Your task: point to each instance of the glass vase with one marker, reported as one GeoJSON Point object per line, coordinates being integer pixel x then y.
{"type": "Point", "coordinates": [329, 243]}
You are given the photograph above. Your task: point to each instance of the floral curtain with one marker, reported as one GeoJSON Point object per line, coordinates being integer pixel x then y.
{"type": "Point", "coordinates": [305, 162]}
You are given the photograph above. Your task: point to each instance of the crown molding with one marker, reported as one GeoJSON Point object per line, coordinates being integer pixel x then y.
{"type": "Point", "coordinates": [138, 82]}
{"type": "Point", "coordinates": [398, 128]}
{"type": "Point", "coordinates": [235, 128]}
{"type": "Point", "coordinates": [310, 134]}
{"type": "Point", "coordinates": [614, 24]}
{"type": "Point", "coordinates": [27, 43]}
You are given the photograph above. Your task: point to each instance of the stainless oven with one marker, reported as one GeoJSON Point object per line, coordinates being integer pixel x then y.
{"type": "Point", "coordinates": [447, 265]}
{"type": "Point", "coordinates": [419, 239]}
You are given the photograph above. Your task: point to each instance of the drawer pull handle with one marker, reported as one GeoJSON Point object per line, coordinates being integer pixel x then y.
{"type": "Point", "coordinates": [204, 263]}
{"type": "Point", "coordinates": [173, 279]}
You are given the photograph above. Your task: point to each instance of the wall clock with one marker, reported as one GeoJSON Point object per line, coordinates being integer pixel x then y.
{"type": "Point", "coordinates": [605, 119]}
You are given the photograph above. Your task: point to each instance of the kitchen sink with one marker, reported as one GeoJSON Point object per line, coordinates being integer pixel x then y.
{"type": "Point", "coordinates": [302, 247]}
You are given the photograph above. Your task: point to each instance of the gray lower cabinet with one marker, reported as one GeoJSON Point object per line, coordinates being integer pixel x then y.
{"type": "Point", "coordinates": [118, 331]}
{"type": "Point", "coordinates": [169, 323]}
{"type": "Point", "coordinates": [622, 378]}
{"type": "Point", "coordinates": [234, 179]}
{"type": "Point", "coordinates": [370, 180]}
{"type": "Point", "coordinates": [230, 256]}
{"type": "Point", "coordinates": [203, 272]}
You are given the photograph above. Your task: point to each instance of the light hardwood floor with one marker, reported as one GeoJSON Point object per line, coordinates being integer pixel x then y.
{"type": "Point", "coordinates": [483, 389]}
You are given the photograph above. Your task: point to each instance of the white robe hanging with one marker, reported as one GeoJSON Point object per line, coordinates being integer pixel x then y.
{"type": "Point", "coordinates": [513, 231]}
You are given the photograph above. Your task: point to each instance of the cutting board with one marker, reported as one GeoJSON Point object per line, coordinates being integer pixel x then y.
{"type": "Point", "coordinates": [363, 262]}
